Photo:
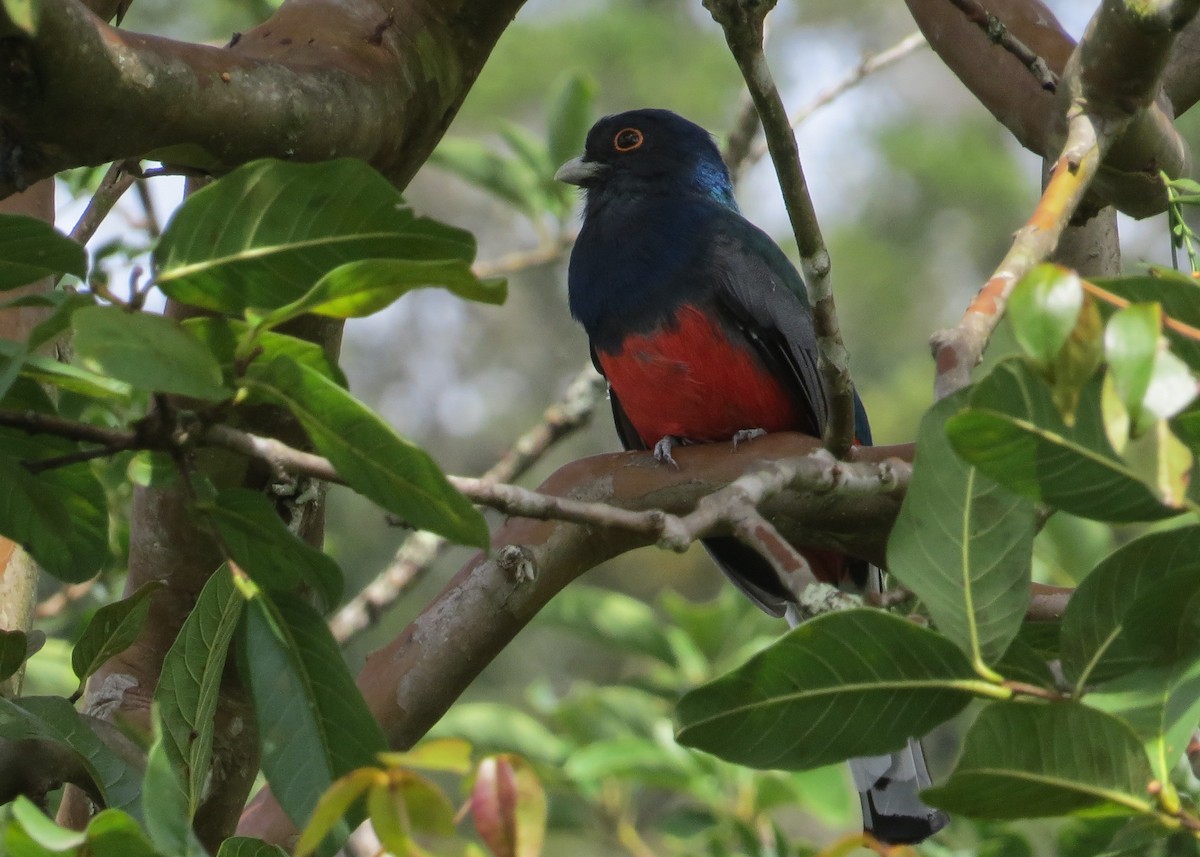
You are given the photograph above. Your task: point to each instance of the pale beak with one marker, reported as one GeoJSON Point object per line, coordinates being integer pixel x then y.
{"type": "Point", "coordinates": [577, 171]}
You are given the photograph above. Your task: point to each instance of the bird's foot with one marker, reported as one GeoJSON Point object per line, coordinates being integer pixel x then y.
{"type": "Point", "coordinates": [662, 450]}
{"type": "Point", "coordinates": [746, 434]}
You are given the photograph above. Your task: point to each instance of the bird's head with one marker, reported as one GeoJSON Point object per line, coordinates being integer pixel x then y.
{"type": "Point", "coordinates": [649, 151]}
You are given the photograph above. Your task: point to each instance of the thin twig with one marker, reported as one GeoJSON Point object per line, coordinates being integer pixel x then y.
{"type": "Point", "coordinates": [1002, 36]}
{"type": "Point", "coordinates": [112, 187]}
{"type": "Point", "coordinates": [153, 229]}
{"type": "Point", "coordinates": [742, 21]}
{"type": "Point", "coordinates": [420, 549]}
{"type": "Point", "coordinates": [524, 259]}
{"type": "Point", "coordinates": [877, 62]}
{"type": "Point", "coordinates": [60, 600]}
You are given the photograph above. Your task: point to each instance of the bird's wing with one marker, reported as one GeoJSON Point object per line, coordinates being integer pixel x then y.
{"type": "Point", "coordinates": [760, 293]}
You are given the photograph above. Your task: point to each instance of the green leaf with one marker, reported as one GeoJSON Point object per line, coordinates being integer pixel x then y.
{"type": "Point", "coordinates": [313, 724]}
{"type": "Point", "coordinates": [610, 619]}
{"type": "Point", "coordinates": [1179, 296]}
{"type": "Point", "coordinates": [509, 807]}
{"type": "Point", "coordinates": [1161, 705]}
{"type": "Point", "coordinates": [44, 830]}
{"type": "Point", "coordinates": [110, 833]}
{"type": "Point", "coordinates": [60, 516]}
{"type": "Point", "coordinates": [31, 249]}
{"type": "Point", "coordinates": [507, 178]}
{"type": "Point", "coordinates": [263, 546]}
{"type": "Point", "coordinates": [111, 630]}
{"type": "Point", "coordinates": [1044, 308]}
{"type": "Point", "coordinates": [452, 755]}
{"type": "Point", "coordinates": [1032, 761]}
{"type": "Point", "coordinates": [1153, 383]}
{"type": "Point", "coordinates": [1022, 663]}
{"type": "Point", "coordinates": [854, 683]}
{"type": "Point", "coordinates": [368, 454]}
{"type": "Point", "coordinates": [640, 760]}
{"type": "Point", "coordinates": [495, 727]}
{"type": "Point", "coordinates": [264, 234]}
{"type": "Point", "coordinates": [1163, 624]}
{"type": "Point", "coordinates": [221, 337]}
{"type": "Point", "coordinates": [360, 288]}
{"type": "Point", "coordinates": [248, 846]}
{"type": "Point", "coordinates": [1013, 433]}
{"type": "Point", "coordinates": [1094, 647]}
{"type": "Point", "coordinates": [190, 682]}
{"type": "Point", "coordinates": [570, 116]}
{"type": "Point", "coordinates": [149, 352]}
{"type": "Point", "coordinates": [963, 544]}
{"type": "Point", "coordinates": [164, 802]}
{"type": "Point", "coordinates": [15, 648]}
{"type": "Point", "coordinates": [328, 817]}
{"type": "Point", "coordinates": [52, 718]}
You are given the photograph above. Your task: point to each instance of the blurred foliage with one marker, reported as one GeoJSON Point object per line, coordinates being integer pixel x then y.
{"type": "Point", "coordinates": [934, 190]}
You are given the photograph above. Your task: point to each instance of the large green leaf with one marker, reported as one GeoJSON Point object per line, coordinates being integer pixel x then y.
{"type": "Point", "coordinates": [1014, 433]}
{"type": "Point", "coordinates": [52, 718]}
{"type": "Point", "coordinates": [1162, 706]}
{"type": "Point", "coordinates": [190, 681]}
{"type": "Point", "coordinates": [963, 544]}
{"type": "Point", "coordinates": [853, 683]}
{"type": "Point", "coordinates": [368, 454]}
{"type": "Point", "coordinates": [264, 234]}
{"type": "Point", "coordinates": [360, 288]}
{"type": "Point", "coordinates": [1029, 761]}
{"type": "Point", "coordinates": [1093, 644]}
{"type": "Point", "coordinates": [149, 352]}
{"type": "Point", "coordinates": [60, 516]}
{"type": "Point", "coordinates": [112, 629]}
{"type": "Point", "coordinates": [31, 249]}
{"type": "Point", "coordinates": [313, 724]}
{"type": "Point", "coordinates": [274, 556]}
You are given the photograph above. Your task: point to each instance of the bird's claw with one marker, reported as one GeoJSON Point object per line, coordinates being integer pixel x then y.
{"type": "Point", "coordinates": [746, 434]}
{"type": "Point", "coordinates": [662, 450]}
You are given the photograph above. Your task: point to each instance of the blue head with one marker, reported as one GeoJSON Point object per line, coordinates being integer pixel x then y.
{"type": "Point", "coordinates": [649, 152]}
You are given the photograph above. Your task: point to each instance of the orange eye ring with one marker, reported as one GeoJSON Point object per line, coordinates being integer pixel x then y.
{"type": "Point", "coordinates": [628, 139]}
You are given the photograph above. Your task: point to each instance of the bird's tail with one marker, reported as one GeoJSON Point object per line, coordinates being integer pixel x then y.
{"type": "Point", "coordinates": [889, 787]}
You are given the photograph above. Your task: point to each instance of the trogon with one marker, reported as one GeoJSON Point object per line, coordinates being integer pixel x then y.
{"type": "Point", "coordinates": [703, 330]}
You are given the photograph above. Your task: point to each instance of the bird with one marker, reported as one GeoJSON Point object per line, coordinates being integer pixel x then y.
{"type": "Point", "coordinates": [702, 328]}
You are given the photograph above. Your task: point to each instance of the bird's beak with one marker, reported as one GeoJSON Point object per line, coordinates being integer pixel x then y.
{"type": "Point", "coordinates": [577, 171]}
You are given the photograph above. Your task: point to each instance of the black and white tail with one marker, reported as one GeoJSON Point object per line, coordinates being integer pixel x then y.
{"type": "Point", "coordinates": [889, 788]}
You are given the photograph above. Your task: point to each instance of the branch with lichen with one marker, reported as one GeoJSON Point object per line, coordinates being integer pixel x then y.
{"type": "Point", "coordinates": [742, 21]}
{"type": "Point", "coordinates": [1111, 77]}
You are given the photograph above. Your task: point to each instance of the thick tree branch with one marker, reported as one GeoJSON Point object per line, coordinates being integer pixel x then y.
{"type": "Point", "coordinates": [364, 78]}
{"type": "Point", "coordinates": [1111, 78]}
{"type": "Point", "coordinates": [742, 21]}
{"type": "Point", "coordinates": [1037, 118]}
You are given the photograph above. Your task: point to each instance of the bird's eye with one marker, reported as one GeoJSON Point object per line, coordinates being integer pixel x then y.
{"type": "Point", "coordinates": [628, 139]}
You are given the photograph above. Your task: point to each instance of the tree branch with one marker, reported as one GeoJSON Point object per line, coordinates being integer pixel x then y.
{"type": "Point", "coordinates": [1112, 76]}
{"type": "Point", "coordinates": [419, 550]}
{"type": "Point", "coordinates": [1036, 117]}
{"type": "Point", "coordinates": [320, 79]}
{"type": "Point", "coordinates": [1002, 36]}
{"type": "Point", "coordinates": [742, 21]}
